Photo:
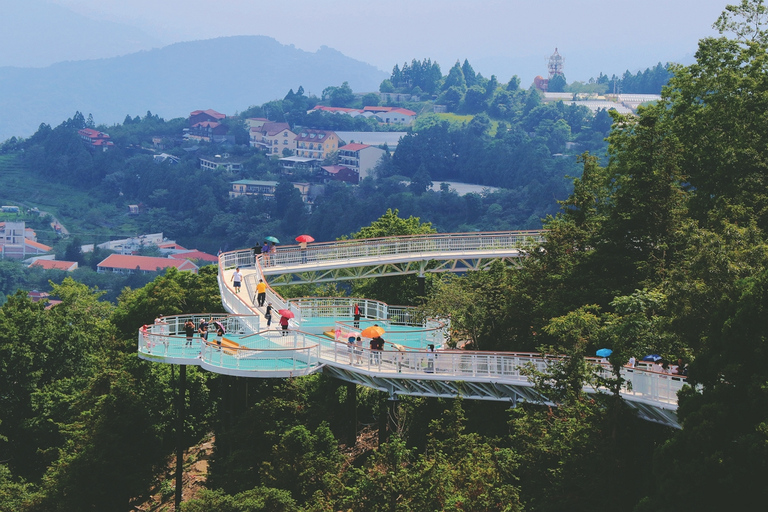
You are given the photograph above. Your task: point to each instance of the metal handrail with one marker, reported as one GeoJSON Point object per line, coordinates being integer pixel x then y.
{"type": "Point", "coordinates": [307, 351]}
{"type": "Point", "coordinates": [345, 250]}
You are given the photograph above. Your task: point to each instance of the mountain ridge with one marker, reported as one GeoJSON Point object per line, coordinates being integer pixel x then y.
{"type": "Point", "coordinates": [227, 74]}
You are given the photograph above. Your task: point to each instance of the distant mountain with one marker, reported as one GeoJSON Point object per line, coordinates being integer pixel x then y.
{"type": "Point", "coordinates": [227, 74]}
{"type": "Point", "coordinates": [36, 33]}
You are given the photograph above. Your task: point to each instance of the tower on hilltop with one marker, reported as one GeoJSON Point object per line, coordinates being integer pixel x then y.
{"type": "Point", "coordinates": [555, 64]}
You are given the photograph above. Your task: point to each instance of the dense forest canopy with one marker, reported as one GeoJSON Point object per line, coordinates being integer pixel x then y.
{"type": "Point", "coordinates": [662, 247]}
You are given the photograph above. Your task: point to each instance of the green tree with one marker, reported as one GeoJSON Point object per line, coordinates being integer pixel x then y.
{"type": "Point", "coordinates": [395, 289]}
{"type": "Point", "coordinates": [370, 99]}
{"type": "Point", "coordinates": [556, 84]}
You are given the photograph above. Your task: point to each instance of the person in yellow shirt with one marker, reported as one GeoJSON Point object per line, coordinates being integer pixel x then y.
{"type": "Point", "coordinates": [261, 292]}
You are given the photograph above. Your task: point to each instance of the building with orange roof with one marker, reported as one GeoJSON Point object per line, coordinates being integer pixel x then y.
{"type": "Point", "coordinates": [15, 241]}
{"type": "Point", "coordinates": [96, 139]}
{"type": "Point", "coordinates": [195, 255]}
{"type": "Point", "coordinates": [129, 264]}
{"type": "Point", "coordinates": [199, 116]}
{"type": "Point", "coordinates": [67, 266]}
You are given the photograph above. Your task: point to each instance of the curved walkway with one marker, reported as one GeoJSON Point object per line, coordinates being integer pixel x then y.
{"type": "Point", "coordinates": [406, 367]}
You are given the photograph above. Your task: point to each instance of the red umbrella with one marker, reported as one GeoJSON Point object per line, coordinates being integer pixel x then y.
{"type": "Point", "coordinates": [304, 239]}
{"type": "Point", "coordinates": [286, 313]}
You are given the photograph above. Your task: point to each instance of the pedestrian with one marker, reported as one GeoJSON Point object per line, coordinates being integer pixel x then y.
{"type": "Point", "coordinates": [261, 293]}
{"type": "Point", "coordinates": [351, 349]}
{"type": "Point", "coordinates": [202, 329]}
{"type": "Point", "coordinates": [632, 362]}
{"type": "Point", "coordinates": [265, 253]}
{"type": "Point", "coordinates": [303, 249]}
{"type": "Point", "coordinates": [377, 345]}
{"type": "Point", "coordinates": [681, 368]}
{"type": "Point", "coordinates": [359, 349]}
{"type": "Point", "coordinates": [357, 316]}
{"type": "Point", "coordinates": [189, 330]}
{"type": "Point", "coordinates": [284, 324]}
{"type": "Point", "coordinates": [430, 358]}
{"type": "Point", "coordinates": [219, 333]}
{"type": "Point", "coordinates": [268, 315]}
{"type": "Point", "coordinates": [272, 252]}
{"type": "Point", "coordinates": [237, 277]}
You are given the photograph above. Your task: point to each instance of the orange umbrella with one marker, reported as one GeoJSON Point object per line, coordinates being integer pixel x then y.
{"type": "Point", "coordinates": [372, 331]}
{"type": "Point", "coordinates": [304, 239]}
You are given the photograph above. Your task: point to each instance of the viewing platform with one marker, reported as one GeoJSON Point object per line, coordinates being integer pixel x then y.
{"type": "Point", "coordinates": [320, 327]}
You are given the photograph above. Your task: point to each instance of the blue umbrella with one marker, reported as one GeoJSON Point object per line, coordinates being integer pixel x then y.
{"type": "Point", "coordinates": [272, 239]}
{"type": "Point", "coordinates": [604, 352]}
{"type": "Point", "coordinates": [654, 358]}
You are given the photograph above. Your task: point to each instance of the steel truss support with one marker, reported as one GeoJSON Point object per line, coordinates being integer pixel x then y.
{"type": "Point", "coordinates": [477, 390]}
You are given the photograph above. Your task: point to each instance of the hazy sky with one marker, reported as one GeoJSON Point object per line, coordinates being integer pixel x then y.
{"type": "Point", "coordinates": [501, 37]}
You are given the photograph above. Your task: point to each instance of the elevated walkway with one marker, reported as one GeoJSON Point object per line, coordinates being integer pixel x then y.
{"type": "Point", "coordinates": [405, 367]}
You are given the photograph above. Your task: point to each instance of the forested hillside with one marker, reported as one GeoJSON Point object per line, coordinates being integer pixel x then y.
{"type": "Point", "coordinates": [660, 248]}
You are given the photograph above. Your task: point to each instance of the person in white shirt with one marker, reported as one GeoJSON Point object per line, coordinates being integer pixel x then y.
{"type": "Point", "coordinates": [237, 277]}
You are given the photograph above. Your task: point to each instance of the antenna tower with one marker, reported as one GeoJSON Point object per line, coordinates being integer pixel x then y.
{"type": "Point", "coordinates": [555, 64]}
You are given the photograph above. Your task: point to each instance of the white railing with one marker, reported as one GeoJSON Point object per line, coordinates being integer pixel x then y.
{"type": "Point", "coordinates": [168, 337]}
{"type": "Point", "coordinates": [500, 366]}
{"type": "Point", "coordinates": [232, 302]}
{"type": "Point", "coordinates": [416, 244]}
{"type": "Point", "coordinates": [301, 353]}
{"type": "Point", "coordinates": [298, 358]}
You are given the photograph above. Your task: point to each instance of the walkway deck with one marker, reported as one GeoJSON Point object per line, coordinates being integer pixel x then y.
{"type": "Point", "coordinates": [404, 367]}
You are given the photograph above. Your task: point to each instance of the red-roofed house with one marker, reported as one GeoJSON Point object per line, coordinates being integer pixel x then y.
{"type": "Point", "coordinates": [128, 264]}
{"type": "Point", "coordinates": [195, 255]}
{"type": "Point", "coordinates": [95, 139]}
{"type": "Point", "coordinates": [337, 110]}
{"type": "Point", "coordinates": [341, 173]}
{"type": "Point", "coordinates": [199, 116]}
{"type": "Point", "coordinates": [171, 245]}
{"type": "Point", "coordinates": [393, 115]}
{"type": "Point", "coordinates": [67, 266]}
{"type": "Point", "coordinates": [360, 157]}
{"type": "Point", "coordinates": [207, 130]}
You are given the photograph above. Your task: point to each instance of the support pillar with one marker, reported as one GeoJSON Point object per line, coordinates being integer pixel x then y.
{"type": "Point", "coordinates": [422, 288]}
{"type": "Point", "coordinates": [383, 422]}
{"type": "Point", "coordinates": [180, 432]}
{"type": "Point", "coordinates": [392, 404]}
{"type": "Point", "coordinates": [351, 406]}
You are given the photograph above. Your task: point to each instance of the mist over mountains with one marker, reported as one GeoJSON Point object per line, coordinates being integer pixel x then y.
{"type": "Point", "coordinates": [227, 74]}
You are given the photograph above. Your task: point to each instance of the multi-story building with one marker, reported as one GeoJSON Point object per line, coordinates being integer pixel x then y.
{"type": "Point", "coordinates": [95, 139]}
{"type": "Point", "coordinates": [200, 116]}
{"type": "Point", "coordinates": [18, 241]}
{"type": "Point", "coordinates": [265, 189]}
{"type": "Point", "coordinates": [316, 143]}
{"type": "Point", "coordinates": [273, 138]}
{"type": "Point", "coordinates": [360, 157]}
